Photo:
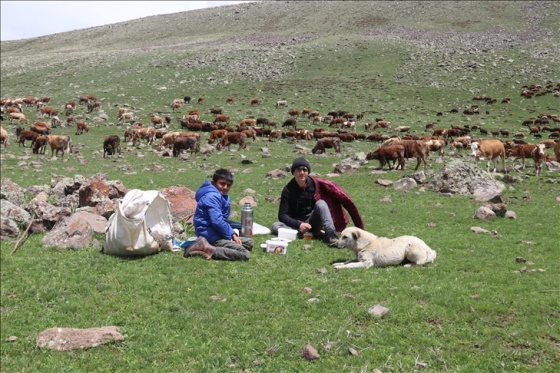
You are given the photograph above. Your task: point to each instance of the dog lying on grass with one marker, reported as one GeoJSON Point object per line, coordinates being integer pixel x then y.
{"type": "Point", "coordinates": [373, 251]}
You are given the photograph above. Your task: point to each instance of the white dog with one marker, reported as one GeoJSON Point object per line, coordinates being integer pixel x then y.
{"type": "Point", "coordinates": [376, 251]}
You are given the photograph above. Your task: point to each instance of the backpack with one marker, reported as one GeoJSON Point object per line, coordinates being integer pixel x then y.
{"type": "Point", "coordinates": [142, 225]}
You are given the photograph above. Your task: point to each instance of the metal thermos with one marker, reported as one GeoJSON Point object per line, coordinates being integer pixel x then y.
{"type": "Point", "coordinates": [247, 220]}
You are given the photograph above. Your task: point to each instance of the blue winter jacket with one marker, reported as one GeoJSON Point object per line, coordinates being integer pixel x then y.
{"type": "Point", "coordinates": [212, 213]}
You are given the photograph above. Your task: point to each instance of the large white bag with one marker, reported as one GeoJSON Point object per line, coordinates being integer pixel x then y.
{"type": "Point", "coordinates": [142, 225]}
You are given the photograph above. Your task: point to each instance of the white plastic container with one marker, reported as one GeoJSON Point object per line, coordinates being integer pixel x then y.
{"type": "Point", "coordinates": [290, 234]}
{"type": "Point", "coordinates": [277, 246]}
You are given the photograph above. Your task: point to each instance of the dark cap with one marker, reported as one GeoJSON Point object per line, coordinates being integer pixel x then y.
{"type": "Point", "coordinates": [300, 162]}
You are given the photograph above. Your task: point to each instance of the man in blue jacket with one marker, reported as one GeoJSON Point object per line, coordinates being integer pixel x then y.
{"type": "Point", "coordinates": [216, 237]}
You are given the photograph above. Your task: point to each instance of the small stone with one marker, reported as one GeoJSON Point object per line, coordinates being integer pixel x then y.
{"type": "Point", "coordinates": [523, 269]}
{"type": "Point", "coordinates": [350, 296]}
{"type": "Point", "coordinates": [352, 351]}
{"type": "Point", "coordinates": [12, 338]}
{"type": "Point", "coordinates": [310, 353]}
{"type": "Point", "coordinates": [378, 310]}
{"type": "Point", "coordinates": [307, 290]}
{"type": "Point", "coordinates": [475, 296]}
{"type": "Point", "coordinates": [520, 259]}
{"type": "Point", "coordinates": [322, 271]}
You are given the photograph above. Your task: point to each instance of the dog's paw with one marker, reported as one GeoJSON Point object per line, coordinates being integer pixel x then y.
{"type": "Point", "coordinates": [338, 265]}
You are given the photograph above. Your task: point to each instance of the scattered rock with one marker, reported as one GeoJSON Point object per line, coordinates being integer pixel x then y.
{"type": "Point", "coordinates": [67, 339]}
{"type": "Point", "coordinates": [310, 353]}
{"type": "Point", "coordinates": [405, 184]}
{"type": "Point", "coordinates": [378, 310]}
{"type": "Point", "coordinates": [485, 213]}
{"type": "Point", "coordinates": [384, 182]}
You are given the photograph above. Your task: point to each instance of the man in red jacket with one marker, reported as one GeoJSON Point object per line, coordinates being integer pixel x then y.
{"type": "Point", "coordinates": [312, 204]}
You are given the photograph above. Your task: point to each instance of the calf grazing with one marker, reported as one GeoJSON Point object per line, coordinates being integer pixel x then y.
{"type": "Point", "coordinates": [274, 134]}
{"type": "Point", "coordinates": [412, 149]}
{"type": "Point", "coordinates": [81, 126]}
{"type": "Point", "coordinates": [146, 133]}
{"type": "Point", "coordinates": [42, 128]}
{"type": "Point", "coordinates": [233, 138]}
{"type": "Point", "coordinates": [230, 100]}
{"type": "Point", "coordinates": [254, 101]}
{"type": "Point", "coordinates": [539, 156]}
{"type": "Point", "coordinates": [462, 142]}
{"type": "Point", "coordinates": [111, 145]}
{"type": "Point", "coordinates": [281, 103]}
{"type": "Point", "coordinates": [522, 151]}
{"type": "Point", "coordinates": [177, 104]}
{"type": "Point", "coordinates": [388, 153]}
{"type": "Point", "coordinates": [40, 145]}
{"type": "Point", "coordinates": [327, 143]}
{"type": "Point", "coordinates": [221, 118]}
{"type": "Point", "coordinates": [4, 137]}
{"type": "Point", "coordinates": [289, 123]}
{"type": "Point", "coordinates": [185, 143]}
{"type": "Point", "coordinates": [382, 124]}
{"type": "Point", "coordinates": [490, 150]}
{"type": "Point", "coordinates": [59, 143]}
{"type": "Point", "coordinates": [19, 117]}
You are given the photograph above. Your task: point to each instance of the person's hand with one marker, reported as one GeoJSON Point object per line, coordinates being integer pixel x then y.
{"type": "Point", "coordinates": [235, 238]}
{"type": "Point", "coordinates": [304, 227]}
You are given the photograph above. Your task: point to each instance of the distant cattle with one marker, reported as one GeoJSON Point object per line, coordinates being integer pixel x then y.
{"type": "Point", "coordinates": [233, 138]}
{"type": "Point", "coordinates": [4, 137]}
{"type": "Point", "coordinates": [42, 128]}
{"type": "Point", "coordinates": [216, 135]}
{"type": "Point", "coordinates": [147, 133]}
{"type": "Point", "coordinates": [59, 143]}
{"type": "Point", "coordinates": [254, 101]}
{"type": "Point", "coordinates": [40, 145]}
{"type": "Point", "coordinates": [185, 143]}
{"type": "Point", "coordinates": [412, 149]}
{"type": "Point", "coordinates": [521, 151]}
{"type": "Point", "coordinates": [281, 103]}
{"type": "Point", "coordinates": [327, 143]}
{"type": "Point", "coordinates": [221, 118]}
{"type": "Point", "coordinates": [111, 145]}
{"type": "Point", "coordinates": [19, 117]}
{"type": "Point", "coordinates": [289, 123]}
{"type": "Point", "coordinates": [81, 127]}
{"type": "Point", "coordinates": [388, 153]}
{"type": "Point", "coordinates": [23, 135]}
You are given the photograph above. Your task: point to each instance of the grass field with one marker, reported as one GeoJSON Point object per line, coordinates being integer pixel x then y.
{"type": "Point", "coordinates": [474, 309]}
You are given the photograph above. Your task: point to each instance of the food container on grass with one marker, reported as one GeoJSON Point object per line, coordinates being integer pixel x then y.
{"type": "Point", "coordinates": [290, 234]}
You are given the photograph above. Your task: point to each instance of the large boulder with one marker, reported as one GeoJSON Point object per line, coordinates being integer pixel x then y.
{"type": "Point", "coordinates": [183, 203]}
{"type": "Point", "coordinates": [462, 178]}
{"type": "Point", "coordinates": [12, 192]}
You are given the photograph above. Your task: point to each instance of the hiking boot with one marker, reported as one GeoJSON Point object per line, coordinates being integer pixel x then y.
{"type": "Point", "coordinates": [330, 240]}
{"type": "Point", "coordinates": [200, 247]}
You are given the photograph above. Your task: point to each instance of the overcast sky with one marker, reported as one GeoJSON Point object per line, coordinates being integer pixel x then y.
{"type": "Point", "coordinates": [30, 19]}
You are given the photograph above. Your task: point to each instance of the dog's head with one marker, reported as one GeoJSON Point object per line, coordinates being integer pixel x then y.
{"type": "Point", "coordinates": [349, 238]}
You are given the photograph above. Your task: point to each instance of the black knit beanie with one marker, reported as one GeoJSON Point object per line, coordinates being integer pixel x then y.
{"type": "Point", "coordinates": [301, 162]}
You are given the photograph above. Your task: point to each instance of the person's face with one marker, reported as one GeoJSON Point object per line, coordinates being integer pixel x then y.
{"type": "Point", "coordinates": [223, 185]}
{"type": "Point", "coordinates": [301, 174]}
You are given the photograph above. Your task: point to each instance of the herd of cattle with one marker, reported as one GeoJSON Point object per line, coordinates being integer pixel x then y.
{"type": "Point", "coordinates": [329, 131]}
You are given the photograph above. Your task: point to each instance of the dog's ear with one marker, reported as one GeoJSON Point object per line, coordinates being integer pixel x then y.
{"type": "Point", "coordinates": [355, 235]}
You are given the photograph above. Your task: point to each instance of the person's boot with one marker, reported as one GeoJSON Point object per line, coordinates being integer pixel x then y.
{"type": "Point", "coordinates": [200, 247]}
{"type": "Point", "coordinates": [330, 239]}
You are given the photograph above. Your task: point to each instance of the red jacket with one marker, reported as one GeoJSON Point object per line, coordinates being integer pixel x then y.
{"type": "Point", "coordinates": [338, 200]}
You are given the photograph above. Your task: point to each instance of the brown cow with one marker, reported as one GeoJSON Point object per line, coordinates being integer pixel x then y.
{"type": "Point", "coordinates": [111, 145]}
{"type": "Point", "coordinates": [4, 137]}
{"type": "Point", "coordinates": [233, 138]}
{"type": "Point", "coordinates": [42, 128]}
{"type": "Point", "coordinates": [289, 123]}
{"type": "Point", "coordinates": [491, 150]}
{"type": "Point", "coordinates": [146, 133]}
{"type": "Point", "coordinates": [216, 135]}
{"type": "Point", "coordinates": [19, 117]}
{"type": "Point", "coordinates": [254, 101]}
{"type": "Point", "coordinates": [81, 126]}
{"type": "Point", "coordinates": [23, 135]}
{"type": "Point", "coordinates": [522, 151]}
{"type": "Point", "coordinates": [275, 134]}
{"type": "Point", "coordinates": [412, 149]}
{"type": "Point", "coordinates": [59, 143]}
{"type": "Point", "coordinates": [185, 143]}
{"type": "Point", "coordinates": [40, 145]}
{"type": "Point", "coordinates": [388, 153]}
{"type": "Point", "coordinates": [327, 143]}
{"type": "Point", "coordinates": [221, 118]}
